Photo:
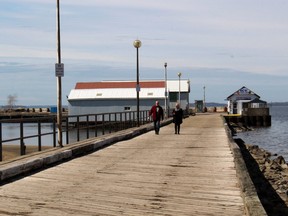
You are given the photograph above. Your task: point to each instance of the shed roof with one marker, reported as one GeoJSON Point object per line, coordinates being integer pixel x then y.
{"type": "Point", "coordinates": [118, 84]}
{"type": "Point", "coordinates": [243, 91]}
{"type": "Point", "coordinates": [172, 85]}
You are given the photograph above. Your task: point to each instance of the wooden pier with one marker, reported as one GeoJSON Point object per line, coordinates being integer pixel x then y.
{"type": "Point", "coordinates": [167, 174]}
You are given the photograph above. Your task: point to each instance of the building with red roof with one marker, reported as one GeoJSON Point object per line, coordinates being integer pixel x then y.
{"type": "Point", "coordinates": [120, 96]}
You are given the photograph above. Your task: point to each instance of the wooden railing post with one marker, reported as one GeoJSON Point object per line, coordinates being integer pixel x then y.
{"type": "Point", "coordinates": [22, 144]}
{"type": "Point", "coordinates": [96, 125]}
{"type": "Point", "coordinates": [103, 124]}
{"type": "Point", "coordinates": [67, 130]}
{"type": "Point", "coordinates": [39, 135]}
{"type": "Point", "coordinates": [54, 132]}
{"type": "Point", "coordinates": [1, 142]}
{"type": "Point", "coordinates": [78, 130]}
{"type": "Point", "coordinates": [87, 126]}
{"type": "Point", "coordinates": [110, 124]}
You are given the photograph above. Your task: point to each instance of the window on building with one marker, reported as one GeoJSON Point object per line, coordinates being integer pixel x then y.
{"type": "Point", "coordinates": [127, 108]}
{"type": "Point", "coordinates": [98, 94]}
{"type": "Point", "coordinates": [173, 96]}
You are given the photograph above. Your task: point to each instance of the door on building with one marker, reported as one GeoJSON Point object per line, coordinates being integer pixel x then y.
{"type": "Point", "coordinates": [234, 108]}
{"type": "Point", "coordinates": [199, 106]}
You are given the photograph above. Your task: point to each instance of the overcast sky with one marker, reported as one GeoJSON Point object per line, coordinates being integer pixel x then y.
{"type": "Point", "coordinates": [220, 44]}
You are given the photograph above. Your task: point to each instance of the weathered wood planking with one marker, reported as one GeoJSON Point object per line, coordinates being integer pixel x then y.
{"type": "Point", "coordinates": [188, 174]}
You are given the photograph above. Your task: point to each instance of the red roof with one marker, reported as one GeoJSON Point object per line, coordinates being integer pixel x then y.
{"type": "Point", "coordinates": [101, 85]}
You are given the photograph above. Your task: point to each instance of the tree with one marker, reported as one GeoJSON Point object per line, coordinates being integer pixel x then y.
{"type": "Point", "coordinates": [11, 101]}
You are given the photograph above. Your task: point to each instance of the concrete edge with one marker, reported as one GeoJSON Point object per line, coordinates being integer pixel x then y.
{"type": "Point", "coordinates": [44, 159]}
{"type": "Point", "coordinates": [252, 203]}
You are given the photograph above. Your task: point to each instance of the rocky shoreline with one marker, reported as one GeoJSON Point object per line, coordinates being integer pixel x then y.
{"type": "Point", "coordinates": [269, 174]}
{"type": "Point", "coordinates": [274, 168]}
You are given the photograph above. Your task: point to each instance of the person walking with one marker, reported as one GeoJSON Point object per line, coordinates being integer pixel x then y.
{"type": "Point", "coordinates": [157, 115]}
{"type": "Point", "coordinates": [177, 117]}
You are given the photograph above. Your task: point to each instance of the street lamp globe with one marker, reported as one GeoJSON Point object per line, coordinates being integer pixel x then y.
{"type": "Point", "coordinates": [137, 43]}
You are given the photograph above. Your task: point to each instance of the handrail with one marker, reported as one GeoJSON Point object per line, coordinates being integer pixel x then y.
{"type": "Point", "coordinates": [85, 123]}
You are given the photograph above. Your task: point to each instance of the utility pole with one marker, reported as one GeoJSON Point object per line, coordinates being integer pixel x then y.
{"type": "Point", "coordinates": [59, 71]}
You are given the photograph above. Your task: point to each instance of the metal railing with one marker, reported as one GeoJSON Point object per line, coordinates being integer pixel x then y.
{"type": "Point", "coordinates": [79, 127]}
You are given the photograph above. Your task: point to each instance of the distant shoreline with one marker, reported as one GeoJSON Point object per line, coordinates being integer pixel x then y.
{"type": "Point", "coordinates": [278, 104]}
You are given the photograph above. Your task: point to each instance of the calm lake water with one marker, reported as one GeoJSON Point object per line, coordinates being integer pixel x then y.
{"type": "Point", "coordinates": [12, 131]}
{"type": "Point", "coordinates": [274, 138]}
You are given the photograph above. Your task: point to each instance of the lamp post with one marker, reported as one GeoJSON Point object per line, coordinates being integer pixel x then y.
{"type": "Point", "coordinates": [204, 102]}
{"type": "Point", "coordinates": [59, 71]}
{"type": "Point", "coordinates": [166, 110]}
{"type": "Point", "coordinates": [137, 44]}
{"type": "Point", "coordinates": [188, 83]}
{"type": "Point", "coordinates": [179, 75]}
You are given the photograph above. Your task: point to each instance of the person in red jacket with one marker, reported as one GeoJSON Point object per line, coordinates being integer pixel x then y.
{"type": "Point", "coordinates": [157, 115]}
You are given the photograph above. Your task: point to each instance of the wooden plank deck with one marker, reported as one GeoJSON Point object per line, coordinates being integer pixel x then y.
{"type": "Point", "coordinates": [188, 174]}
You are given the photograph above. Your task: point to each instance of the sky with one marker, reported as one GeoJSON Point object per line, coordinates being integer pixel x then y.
{"type": "Point", "coordinates": [221, 45]}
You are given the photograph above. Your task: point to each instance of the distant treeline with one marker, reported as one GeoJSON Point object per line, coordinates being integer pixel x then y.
{"type": "Point", "coordinates": [278, 104]}
{"type": "Point", "coordinates": [32, 106]}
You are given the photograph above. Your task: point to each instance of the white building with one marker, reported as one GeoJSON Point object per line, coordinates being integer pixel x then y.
{"type": "Point", "coordinates": [120, 96]}
{"type": "Point", "coordinates": [240, 98]}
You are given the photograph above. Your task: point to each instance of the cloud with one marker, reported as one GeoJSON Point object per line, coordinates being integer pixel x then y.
{"type": "Point", "coordinates": [212, 42]}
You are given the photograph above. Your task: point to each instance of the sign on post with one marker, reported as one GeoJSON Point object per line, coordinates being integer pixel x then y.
{"type": "Point", "coordinates": [138, 88]}
{"type": "Point", "coordinates": [59, 69]}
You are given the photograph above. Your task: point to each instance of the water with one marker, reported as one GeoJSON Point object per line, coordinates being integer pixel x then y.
{"type": "Point", "coordinates": [274, 138]}
{"type": "Point", "coordinates": [12, 131]}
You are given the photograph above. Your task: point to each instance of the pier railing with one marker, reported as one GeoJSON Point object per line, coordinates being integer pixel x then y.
{"type": "Point", "coordinates": [75, 128]}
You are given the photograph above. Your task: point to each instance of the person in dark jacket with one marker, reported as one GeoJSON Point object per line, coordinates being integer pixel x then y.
{"type": "Point", "coordinates": [157, 115]}
{"type": "Point", "coordinates": [177, 118]}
